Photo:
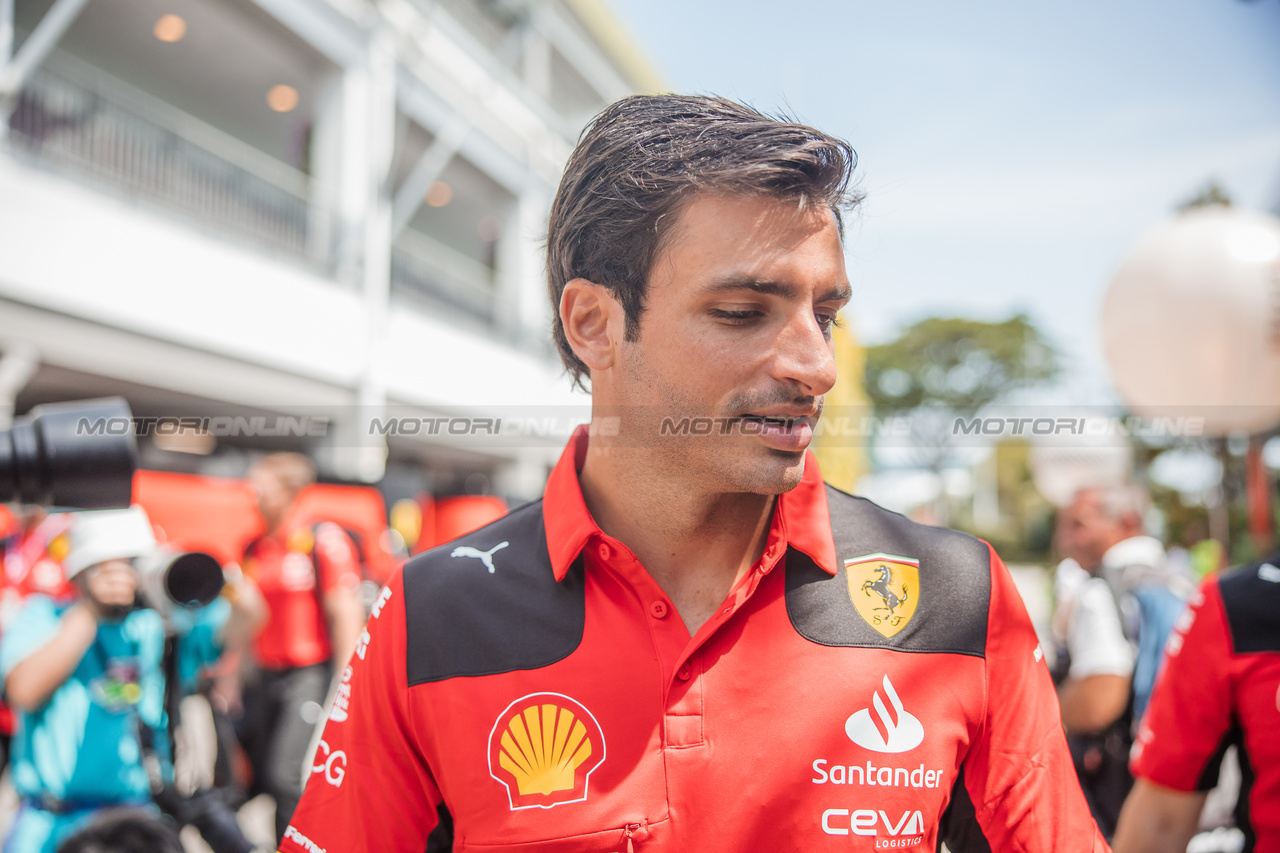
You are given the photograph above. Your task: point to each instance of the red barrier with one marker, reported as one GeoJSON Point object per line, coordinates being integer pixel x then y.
{"type": "Point", "coordinates": [359, 509]}
{"type": "Point", "coordinates": [220, 515]}
{"type": "Point", "coordinates": [459, 516]}
{"type": "Point", "coordinates": [427, 538]}
{"type": "Point", "coordinates": [214, 514]}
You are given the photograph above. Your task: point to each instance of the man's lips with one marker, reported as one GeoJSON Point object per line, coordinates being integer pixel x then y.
{"type": "Point", "coordinates": [786, 432]}
{"type": "Point", "coordinates": [784, 422]}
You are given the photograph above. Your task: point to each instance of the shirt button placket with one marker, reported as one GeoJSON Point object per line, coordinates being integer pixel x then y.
{"type": "Point", "coordinates": [683, 723]}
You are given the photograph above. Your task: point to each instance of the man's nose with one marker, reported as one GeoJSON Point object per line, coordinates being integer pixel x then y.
{"type": "Point", "coordinates": [803, 355]}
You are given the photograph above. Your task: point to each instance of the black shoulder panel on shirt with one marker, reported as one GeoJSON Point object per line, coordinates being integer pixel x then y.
{"type": "Point", "coordinates": [488, 603]}
{"type": "Point", "coordinates": [952, 594]}
{"type": "Point", "coordinates": [1251, 597]}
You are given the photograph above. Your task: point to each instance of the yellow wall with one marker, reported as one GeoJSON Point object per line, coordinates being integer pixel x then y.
{"type": "Point", "coordinates": [843, 458]}
{"type": "Point", "coordinates": [605, 27]}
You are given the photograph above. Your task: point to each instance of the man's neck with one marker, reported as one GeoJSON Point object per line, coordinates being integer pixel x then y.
{"type": "Point", "coordinates": [696, 545]}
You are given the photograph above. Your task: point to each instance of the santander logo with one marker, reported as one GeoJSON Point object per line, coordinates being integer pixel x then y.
{"type": "Point", "coordinates": [896, 731]}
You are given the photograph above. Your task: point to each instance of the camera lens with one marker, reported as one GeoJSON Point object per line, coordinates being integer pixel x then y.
{"type": "Point", "coordinates": [70, 454]}
{"type": "Point", "coordinates": [193, 579]}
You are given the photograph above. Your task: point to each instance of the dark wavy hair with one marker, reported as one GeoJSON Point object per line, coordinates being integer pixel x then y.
{"type": "Point", "coordinates": [641, 160]}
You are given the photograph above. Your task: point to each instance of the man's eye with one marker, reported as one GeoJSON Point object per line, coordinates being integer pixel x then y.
{"type": "Point", "coordinates": [736, 318]}
{"type": "Point", "coordinates": [828, 322]}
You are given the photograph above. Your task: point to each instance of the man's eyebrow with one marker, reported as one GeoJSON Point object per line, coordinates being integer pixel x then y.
{"type": "Point", "coordinates": [839, 293]}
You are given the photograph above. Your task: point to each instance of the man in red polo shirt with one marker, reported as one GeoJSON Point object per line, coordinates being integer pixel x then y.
{"type": "Point", "coordinates": [309, 575]}
{"type": "Point", "coordinates": [1220, 686]}
{"type": "Point", "coordinates": [691, 643]}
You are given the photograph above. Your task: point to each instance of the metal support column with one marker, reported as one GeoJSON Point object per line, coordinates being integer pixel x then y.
{"type": "Point", "coordinates": [371, 456]}
{"type": "Point", "coordinates": [17, 69]}
{"type": "Point", "coordinates": [6, 32]}
{"type": "Point", "coordinates": [17, 366]}
{"type": "Point", "coordinates": [427, 171]}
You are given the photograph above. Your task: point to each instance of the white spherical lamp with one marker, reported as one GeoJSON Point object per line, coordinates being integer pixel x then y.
{"type": "Point", "coordinates": [1191, 321]}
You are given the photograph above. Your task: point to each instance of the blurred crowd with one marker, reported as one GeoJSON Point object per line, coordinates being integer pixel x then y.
{"type": "Point", "coordinates": [144, 680]}
{"type": "Point", "coordinates": [1137, 665]}
{"type": "Point", "coordinates": [145, 677]}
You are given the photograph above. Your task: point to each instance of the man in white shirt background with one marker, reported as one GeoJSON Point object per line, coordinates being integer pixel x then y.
{"type": "Point", "coordinates": [1103, 531]}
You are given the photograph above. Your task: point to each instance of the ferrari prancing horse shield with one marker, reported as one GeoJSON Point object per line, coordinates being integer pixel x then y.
{"type": "Point", "coordinates": [885, 590]}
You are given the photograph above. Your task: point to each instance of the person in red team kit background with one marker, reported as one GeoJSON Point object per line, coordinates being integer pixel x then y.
{"type": "Point", "coordinates": [309, 574]}
{"type": "Point", "coordinates": [691, 643]}
{"type": "Point", "coordinates": [31, 556]}
{"type": "Point", "coordinates": [1220, 686]}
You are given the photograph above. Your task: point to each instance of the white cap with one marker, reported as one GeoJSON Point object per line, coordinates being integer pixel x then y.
{"type": "Point", "coordinates": [113, 534]}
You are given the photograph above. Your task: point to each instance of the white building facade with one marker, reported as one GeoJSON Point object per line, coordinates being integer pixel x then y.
{"type": "Point", "coordinates": [325, 209]}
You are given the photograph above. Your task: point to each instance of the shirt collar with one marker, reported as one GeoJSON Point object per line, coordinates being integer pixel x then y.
{"type": "Point", "coordinates": [801, 516]}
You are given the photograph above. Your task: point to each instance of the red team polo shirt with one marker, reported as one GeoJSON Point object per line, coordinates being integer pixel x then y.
{"type": "Point", "coordinates": [870, 684]}
{"type": "Point", "coordinates": [285, 566]}
{"type": "Point", "coordinates": [33, 563]}
{"type": "Point", "coordinates": [1221, 686]}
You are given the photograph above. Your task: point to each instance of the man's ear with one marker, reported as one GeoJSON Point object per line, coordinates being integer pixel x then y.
{"type": "Point", "coordinates": [593, 322]}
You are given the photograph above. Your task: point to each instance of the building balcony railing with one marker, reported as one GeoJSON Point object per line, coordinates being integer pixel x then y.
{"type": "Point", "coordinates": [74, 118]}
{"type": "Point", "coordinates": [426, 270]}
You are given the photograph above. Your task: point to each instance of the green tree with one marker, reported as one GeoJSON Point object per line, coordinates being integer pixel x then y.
{"type": "Point", "coordinates": [944, 368]}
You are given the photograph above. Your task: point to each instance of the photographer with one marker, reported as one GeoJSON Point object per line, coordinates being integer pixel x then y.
{"type": "Point", "coordinates": [87, 678]}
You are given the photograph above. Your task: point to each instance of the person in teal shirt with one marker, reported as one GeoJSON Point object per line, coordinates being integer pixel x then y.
{"type": "Point", "coordinates": [86, 679]}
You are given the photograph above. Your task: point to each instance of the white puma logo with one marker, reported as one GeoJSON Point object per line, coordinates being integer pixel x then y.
{"type": "Point", "coordinates": [485, 557]}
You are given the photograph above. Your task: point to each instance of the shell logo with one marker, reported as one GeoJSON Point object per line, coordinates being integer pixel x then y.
{"type": "Point", "coordinates": [543, 749]}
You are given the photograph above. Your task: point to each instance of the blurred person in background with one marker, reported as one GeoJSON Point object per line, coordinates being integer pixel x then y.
{"type": "Point", "coordinates": [1116, 628]}
{"type": "Point", "coordinates": [309, 573]}
{"type": "Point", "coordinates": [87, 678]}
{"type": "Point", "coordinates": [1068, 580]}
{"type": "Point", "coordinates": [1220, 687]}
{"type": "Point", "coordinates": [31, 556]}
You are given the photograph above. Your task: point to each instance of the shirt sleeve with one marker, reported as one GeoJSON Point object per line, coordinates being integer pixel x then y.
{"type": "Point", "coordinates": [336, 559]}
{"type": "Point", "coordinates": [370, 788]}
{"type": "Point", "coordinates": [1017, 788]}
{"type": "Point", "coordinates": [1096, 639]}
{"type": "Point", "coordinates": [33, 627]}
{"type": "Point", "coordinates": [1183, 734]}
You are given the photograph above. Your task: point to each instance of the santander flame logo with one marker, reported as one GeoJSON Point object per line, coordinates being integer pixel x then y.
{"type": "Point", "coordinates": [896, 731]}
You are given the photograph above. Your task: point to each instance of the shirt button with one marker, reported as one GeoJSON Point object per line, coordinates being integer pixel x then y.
{"type": "Point", "coordinates": [604, 551]}
{"type": "Point", "coordinates": [684, 673]}
{"type": "Point", "coordinates": [658, 609]}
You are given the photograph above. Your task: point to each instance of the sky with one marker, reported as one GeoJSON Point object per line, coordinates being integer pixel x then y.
{"type": "Point", "coordinates": [1010, 152]}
